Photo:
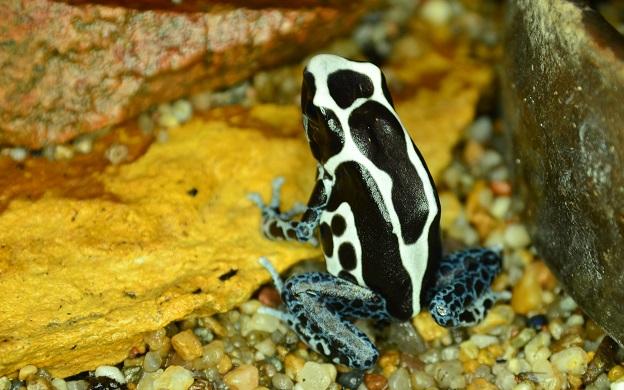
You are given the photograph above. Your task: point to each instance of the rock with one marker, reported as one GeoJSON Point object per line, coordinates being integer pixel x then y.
{"type": "Point", "coordinates": [187, 345]}
{"type": "Point", "coordinates": [375, 381]}
{"type": "Point", "coordinates": [315, 376]}
{"type": "Point", "coordinates": [245, 377]}
{"type": "Point", "coordinates": [130, 262]}
{"type": "Point", "coordinates": [571, 361]}
{"type": "Point", "coordinates": [174, 378]}
{"type": "Point", "coordinates": [111, 372]}
{"type": "Point", "coordinates": [69, 70]}
{"type": "Point", "coordinates": [563, 84]}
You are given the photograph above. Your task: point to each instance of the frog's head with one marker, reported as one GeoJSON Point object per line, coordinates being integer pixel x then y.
{"type": "Point", "coordinates": [332, 88]}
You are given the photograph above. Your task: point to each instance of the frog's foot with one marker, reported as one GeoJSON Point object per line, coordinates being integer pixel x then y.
{"type": "Point", "coordinates": [318, 306]}
{"type": "Point", "coordinates": [462, 294]}
{"type": "Point", "coordinates": [280, 225]}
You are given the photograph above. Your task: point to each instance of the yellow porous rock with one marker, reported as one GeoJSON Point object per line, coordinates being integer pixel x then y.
{"type": "Point", "coordinates": [82, 280]}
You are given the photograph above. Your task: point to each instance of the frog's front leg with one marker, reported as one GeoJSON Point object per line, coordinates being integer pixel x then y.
{"type": "Point", "coordinates": [281, 225]}
{"type": "Point", "coordinates": [462, 294]}
{"type": "Point", "coordinates": [318, 306]}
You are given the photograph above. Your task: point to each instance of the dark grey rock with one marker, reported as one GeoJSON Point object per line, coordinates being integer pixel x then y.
{"type": "Point", "coordinates": [563, 100]}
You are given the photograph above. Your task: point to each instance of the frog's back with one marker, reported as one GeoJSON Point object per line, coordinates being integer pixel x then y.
{"type": "Point", "coordinates": [380, 227]}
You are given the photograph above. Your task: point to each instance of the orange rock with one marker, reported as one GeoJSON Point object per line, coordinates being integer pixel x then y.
{"type": "Point", "coordinates": [527, 293]}
{"type": "Point", "coordinates": [187, 345]}
{"type": "Point", "coordinates": [375, 382]}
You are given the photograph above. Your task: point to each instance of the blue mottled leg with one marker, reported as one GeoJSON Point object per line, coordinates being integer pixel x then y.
{"type": "Point", "coordinates": [319, 305]}
{"type": "Point", "coordinates": [462, 293]}
{"type": "Point", "coordinates": [281, 225]}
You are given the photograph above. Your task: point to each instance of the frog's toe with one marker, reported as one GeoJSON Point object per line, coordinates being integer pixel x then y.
{"type": "Point", "coordinates": [256, 198]}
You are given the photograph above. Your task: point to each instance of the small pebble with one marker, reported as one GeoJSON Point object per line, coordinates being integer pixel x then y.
{"type": "Point", "coordinates": [27, 371]}
{"type": "Point", "coordinates": [58, 384]}
{"type": "Point", "coordinates": [516, 236]}
{"type": "Point", "coordinates": [314, 376]}
{"type": "Point", "coordinates": [399, 380]}
{"type": "Point", "coordinates": [116, 153]}
{"type": "Point", "coordinates": [187, 345]}
{"type": "Point", "coordinates": [182, 110]}
{"type": "Point", "coordinates": [261, 322]}
{"type": "Point", "coordinates": [269, 296]}
{"type": "Point", "coordinates": [481, 129]}
{"type": "Point", "coordinates": [449, 374]}
{"type": "Point", "coordinates": [18, 154]}
{"type": "Point", "coordinates": [174, 378]}
{"type": "Point", "coordinates": [483, 341]}
{"type": "Point", "coordinates": [375, 382]}
{"type": "Point", "coordinates": [245, 377]}
{"type": "Point", "coordinates": [152, 361]}
{"type": "Point", "coordinates": [83, 144]}
{"type": "Point", "coordinates": [145, 123]}
{"type": "Point", "coordinates": [281, 382]}
{"type": "Point", "coordinates": [63, 152]}
{"type": "Point", "coordinates": [567, 304]}
{"type": "Point", "coordinates": [422, 380]}
{"type": "Point", "coordinates": [266, 347]}
{"type": "Point", "coordinates": [500, 188]}
{"type": "Point", "coordinates": [351, 379]}
{"type": "Point", "coordinates": [571, 361]}
{"type": "Point", "coordinates": [78, 385]}
{"type": "Point", "coordinates": [437, 12]}
{"type": "Point", "coordinates": [537, 321]}
{"type": "Point", "coordinates": [111, 372]}
{"type": "Point", "coordinates": [500, 207]}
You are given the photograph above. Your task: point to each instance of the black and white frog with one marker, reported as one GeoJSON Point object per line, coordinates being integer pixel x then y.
{"type": "Point", "coordinates": [378, 214]}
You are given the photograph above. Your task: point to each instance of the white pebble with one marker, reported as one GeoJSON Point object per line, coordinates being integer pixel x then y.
{"type": "Point", "coordinates": [567, 304]}
{"type": "Point", "coordinates": [63, 152]}
{"type": "Point", "coordinates": [152, 361]}
{"type": "Point", "coordinates": [572, 360]}
{"type": "Point", "coordinates": [266, 347]}
{"type": "Point", "coordinates": [83, 144]}
{"type": "Point", "coordinates": [27, 371]}
{"type": "Point", "coordinates": [5, 383]}
{"type": "Point", "coordinates": [261, 322]}
{"type": "Point", "coordinates": [174, 378]}
{"type": "Point", "coordinates": [517, 365]}
{"type": "Point", "coordinates": [116, 153]}
{"type": "Point", "coordinates": [575, 320]}
{"type": "Point", "coordinates": [77, 385]}
{"type": "Point", "coordinates": [449, 374]}
{"type": "Point", "coordinates": [18, 154]}
{"type": "Point", "coordinates": [490, 159]}
{"type": "Point", "coordinates": [59, 384]}
{"type": "Point", "coordinates": [182, 110]}
{"type": "Point", "coordinates": [516, 236]}
{"type": "Point", "coordinates": [481, 129]}
{"type": "Point", "coordinates": [500, 206]}
{"type": "Point", "coordinates": [450, 353]}
{"type": "Point", "coordinates": [168, 120]}
{"type": "Point", "coordinates": [437, 11]}
{"type": "Point", "coordinates": [399, 380]}
{"type": "Point", "coordinates": [147, 380]}
{"type": "Point", "coordinates": [422, 380]}
{"type": "Point", "coordinates": [313, 376]}
{"type": "Point", "coordinates": [250, 307]}
{"type": "Point", "coordinates": [617, 385]}
{"type": "Point", "coordinates": [537, 348]}
{"type": "Point", "coordinates": [483, 340]}
{"type": "Point", "coordinates": [111, 372]}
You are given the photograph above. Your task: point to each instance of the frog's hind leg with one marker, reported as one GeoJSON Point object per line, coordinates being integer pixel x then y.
{"type": "Point", "coordinates": [318, 306]}
{"type": "Point", "coordinates": [462, 294]}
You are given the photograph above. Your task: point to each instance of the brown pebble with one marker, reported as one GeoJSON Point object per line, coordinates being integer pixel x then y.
{"type": "Point", "coordinates": [473, 152]}
{"type": "Point", "coordinates": [224, 365]}
{"type": "Point", "coordinates": [187, 345]}
{"type": "Point", "coordinates": [269, 296]}
{"type": "Point", "coordinates": [375, 382]}
{"type": "Point", "coordinates": [500, 188]}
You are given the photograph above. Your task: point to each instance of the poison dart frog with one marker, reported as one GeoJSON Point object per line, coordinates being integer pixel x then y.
{"type": "Point", "coordinates": [377, 211]}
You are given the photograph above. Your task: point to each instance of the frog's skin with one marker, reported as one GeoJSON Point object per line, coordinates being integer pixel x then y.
{"type": "Point", "coordinates": [378, 214]}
